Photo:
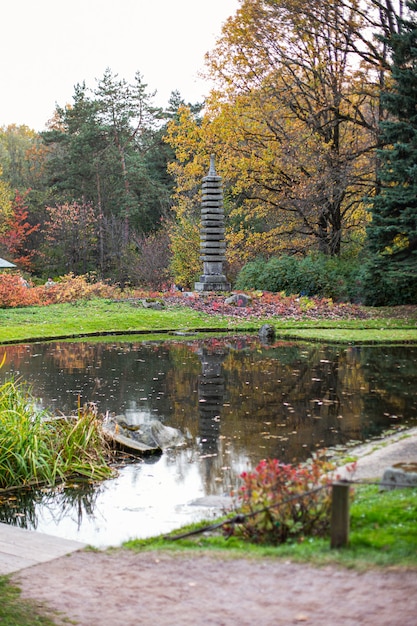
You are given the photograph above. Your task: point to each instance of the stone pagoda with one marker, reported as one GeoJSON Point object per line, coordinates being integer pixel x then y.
{"type": "Point", "coordinates": [212, 241]}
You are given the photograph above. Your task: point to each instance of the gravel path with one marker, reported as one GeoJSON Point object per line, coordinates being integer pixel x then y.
{"type": "Point", "coordinates": [130, 589]}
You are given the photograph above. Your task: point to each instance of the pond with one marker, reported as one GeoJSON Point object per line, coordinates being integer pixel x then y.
{"type": "Point", "coordinates": [235, 400]}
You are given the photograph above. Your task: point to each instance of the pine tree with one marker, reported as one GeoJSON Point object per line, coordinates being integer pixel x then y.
{"type": "Point", "coordinates": [392, 234]}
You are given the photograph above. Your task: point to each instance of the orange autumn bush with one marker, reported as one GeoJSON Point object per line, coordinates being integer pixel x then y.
{"type": "Point", "coordinates": [71, 288]}
{"type": "Point", "coordinates": [14, 293]}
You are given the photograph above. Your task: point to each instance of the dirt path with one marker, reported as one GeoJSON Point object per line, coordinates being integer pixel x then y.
{"type": "Point", "coordinates": [122, 588]}
{"type": "Point", "coordinates": [130, 589]}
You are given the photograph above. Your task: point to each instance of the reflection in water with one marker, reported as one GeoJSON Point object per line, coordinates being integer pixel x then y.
{"type": "Point", "coordinates": [211, 390]}
{"type": "Point", "coordinates": [235, 400]}
{"type": "Point", "coordinates": [78, 501]}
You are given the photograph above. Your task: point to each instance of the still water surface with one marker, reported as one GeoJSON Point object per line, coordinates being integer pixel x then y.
{"type": "Point", "coordinates": [235, 400]}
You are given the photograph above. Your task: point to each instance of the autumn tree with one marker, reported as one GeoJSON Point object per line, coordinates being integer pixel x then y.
{"type": "Point", "coordinates": [22, 157]}
{"type": "Point", "coordinates": [293, 121]}
{"type": "Point", "coordinates": [292, 99]}
{"type": "Point", "coordinates": [16, 234]}
{"type": "Point", "coordinates": [5, 202]}
{"type": "Point", "coordinates": [70, 239]}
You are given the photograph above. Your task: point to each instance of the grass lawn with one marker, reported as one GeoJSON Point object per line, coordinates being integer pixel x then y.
{"type": "Point", "coordinates": [100, 316]}
{"type": "Point", "coordinates": [383, 533]}
{"type": "Point", "coordinates": [95, 317]}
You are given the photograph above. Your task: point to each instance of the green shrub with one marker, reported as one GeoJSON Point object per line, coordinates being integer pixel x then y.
{"type": "Point", "coordinates": [313, 275]}
{"type": "Point", "coordinates": [250, 274]}
{"type": "Point", "coordinates": [280, 274]}
{"type": "Point", "coordinates": [281, 501]}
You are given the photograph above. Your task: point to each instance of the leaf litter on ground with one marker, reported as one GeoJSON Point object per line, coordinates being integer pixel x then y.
{"type": "Point", "coordinates": [265, 304]}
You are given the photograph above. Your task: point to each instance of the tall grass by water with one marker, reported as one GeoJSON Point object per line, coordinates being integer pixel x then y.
{"type": "Point", "coordinates": [36, 448]}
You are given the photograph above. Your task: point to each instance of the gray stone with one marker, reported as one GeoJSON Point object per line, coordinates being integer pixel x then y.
{"type": "Point", "coordinates": [153, 304]}
{"type": "Point", "coordinates": [399, 475]}
{"type": "Point", "coordinates": [166, 436]}
{"type": "Point", "coordinates": [209, 286]}
{"type": "Point", "coordinates": [212, 258]}
{"type": "Point", "coordinates": [239, 299]}
{"type": "Point", "coordinates": [152, 435]}
{"type": "Point", "coordinates": [219, 236]}
{"type": "Point", "coordinates": [210, 245]}
{"type": "Point", "coordinates": [225, 503]}
{"type": "Point", "coordinates": [212, 278]}
{"type": "Point", "coordinates": [266, 333]}
{"type": "Point", "coordinates": [215, 211]}
{"type": "Point", "coordinates": [215, 230]}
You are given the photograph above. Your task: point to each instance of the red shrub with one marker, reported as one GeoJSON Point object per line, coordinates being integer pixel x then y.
{"type": "Point", "coordinates": [280, 501]}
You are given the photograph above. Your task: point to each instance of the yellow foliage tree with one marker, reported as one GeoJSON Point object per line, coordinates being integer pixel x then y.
{"type": "Point", "coordinates": [293, 127]}
{"type": "Point", "coordinates": [6, 197]}
{"type": "Point", "coordinates": [185, 247]}
{"type": "Point", "coordinates": [22, 156]}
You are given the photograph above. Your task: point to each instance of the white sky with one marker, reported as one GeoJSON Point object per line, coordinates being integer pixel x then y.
{"type": "Point", "coordinates": [48, 46]}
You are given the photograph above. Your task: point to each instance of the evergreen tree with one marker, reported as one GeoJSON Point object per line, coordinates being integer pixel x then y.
{"type": "Point", "coordinates": [393, 231]}
{"type": "Point", "coordinates": [103, 150]}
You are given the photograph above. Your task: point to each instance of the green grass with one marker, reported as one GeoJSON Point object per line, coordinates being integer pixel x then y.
{"type": "Point", "coordinates": [101, 316]}
{"type": "Point", "coordinates": [340, 334]}
{"type": "Point", "coordinates": [25, 452]}
{"type": "Point", "coordinates": [16, 612]}
{"type": "Point", "coordinates": [383, 534]}
{"type": "Point", "coordinates": [374, 329]}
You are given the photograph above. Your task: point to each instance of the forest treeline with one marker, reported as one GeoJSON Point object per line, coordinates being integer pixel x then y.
{"type": "Point", "coordinates": [312, 121]}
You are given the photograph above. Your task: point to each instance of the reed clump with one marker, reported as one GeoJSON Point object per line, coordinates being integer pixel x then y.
{"type": "Point", "coordinates": [36, 448]}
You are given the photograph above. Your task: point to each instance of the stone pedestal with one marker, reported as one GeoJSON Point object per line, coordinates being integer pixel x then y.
{"type": "Point", "coordinates": [212, 240]}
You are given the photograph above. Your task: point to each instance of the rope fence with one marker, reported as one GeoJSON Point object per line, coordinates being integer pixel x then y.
{"type": "Point", "coordinates": [339, 520]}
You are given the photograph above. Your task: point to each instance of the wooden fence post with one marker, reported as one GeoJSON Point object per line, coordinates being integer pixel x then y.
{"type": "Point", "coordinates": [339, 524]}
